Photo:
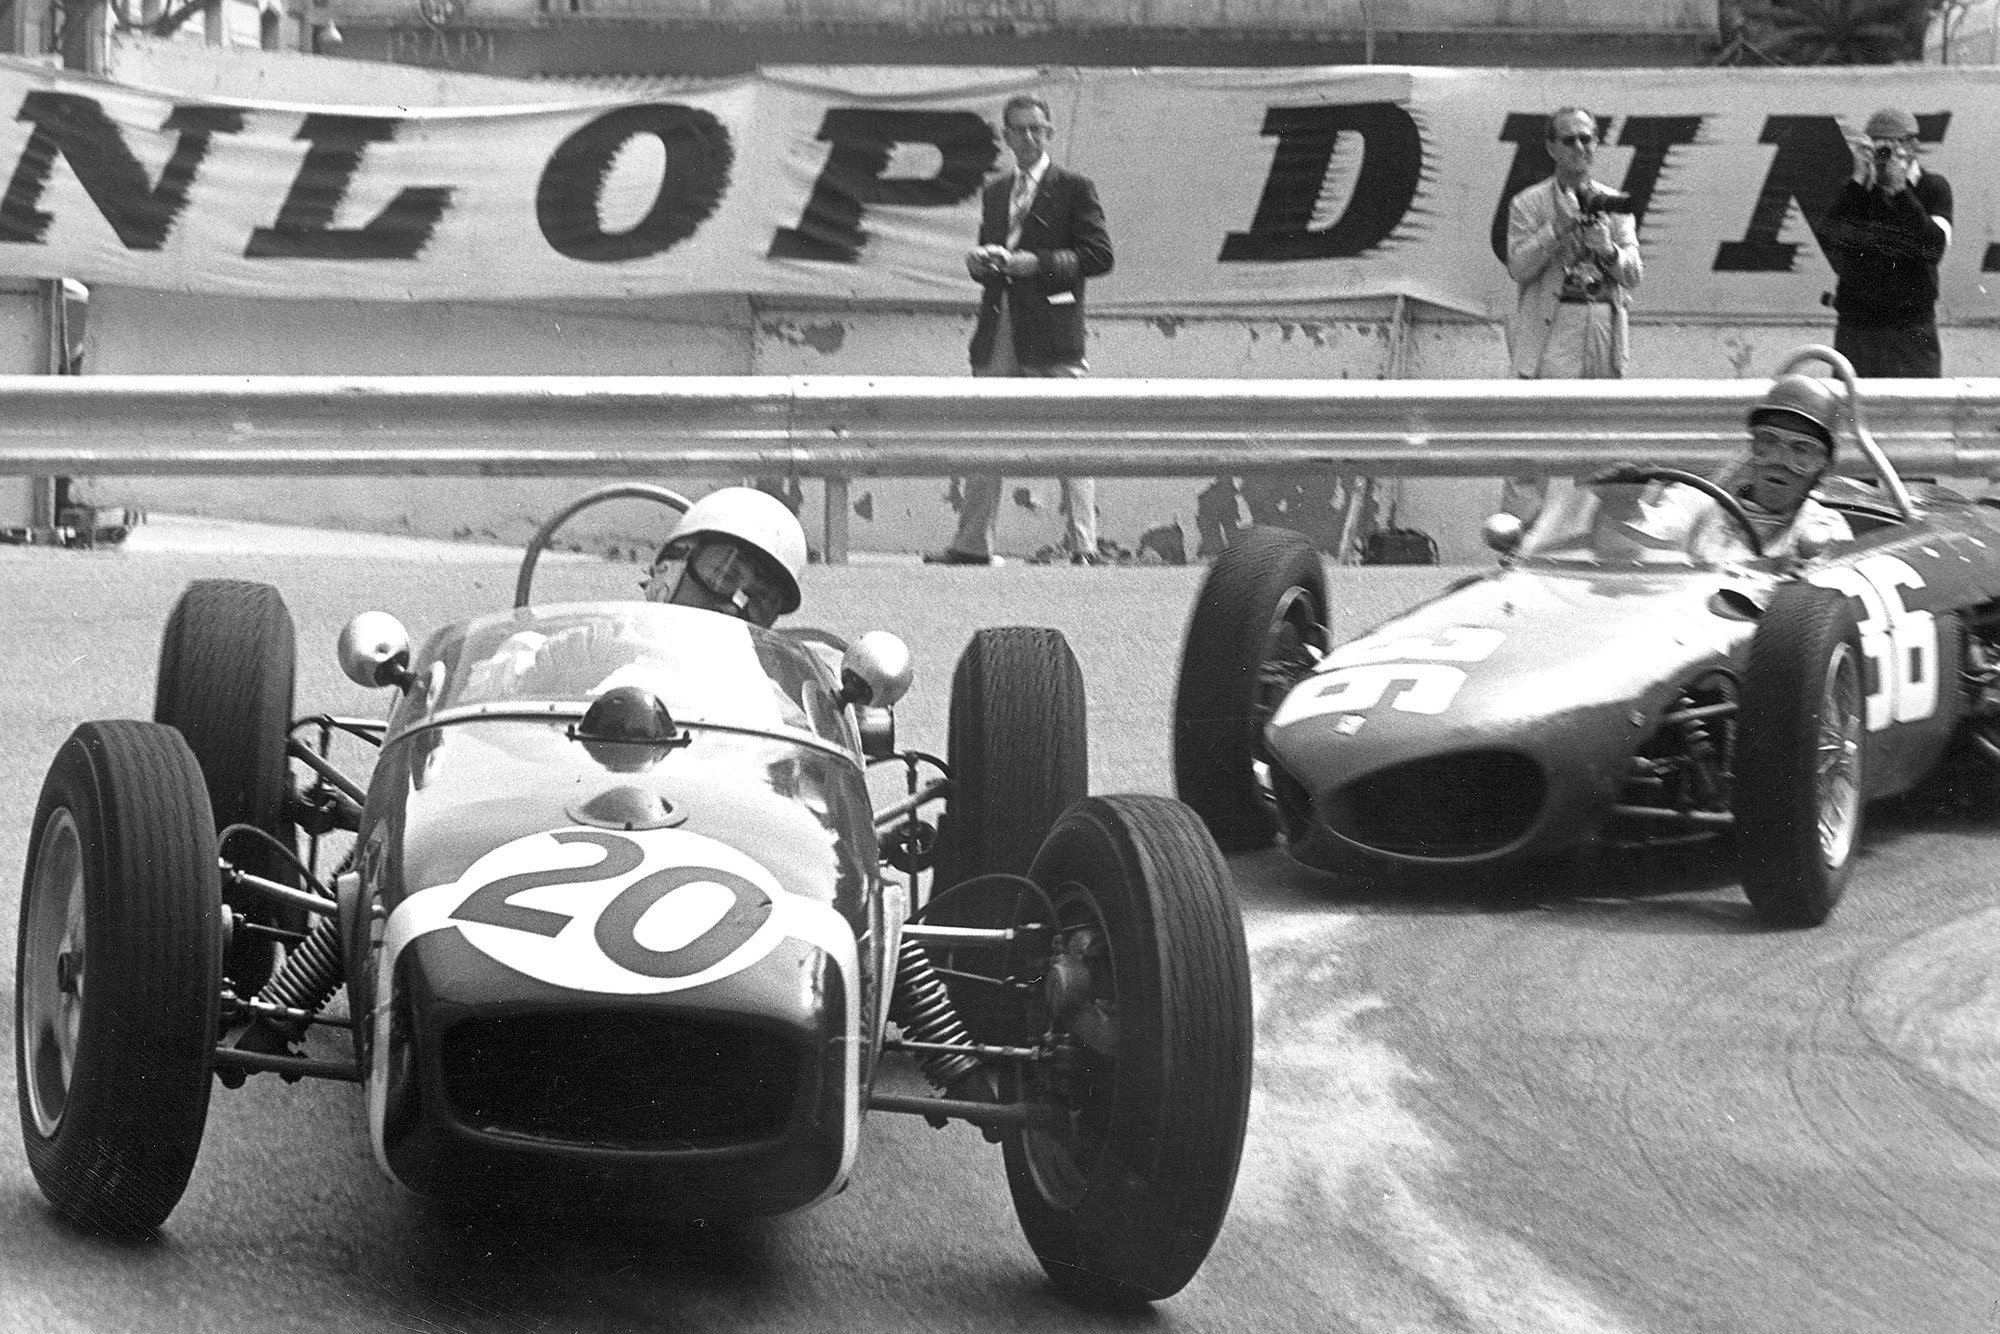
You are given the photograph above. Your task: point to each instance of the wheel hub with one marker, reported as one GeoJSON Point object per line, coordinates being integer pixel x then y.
{"type": "Point", "coordinates": [50, 1010]}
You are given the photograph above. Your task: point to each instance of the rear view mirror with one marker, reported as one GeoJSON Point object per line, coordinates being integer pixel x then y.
{"type": "Point", "coordinates": [877, 671]}
{"type": "Point", "coordinates": [374, 650]}
{"type": "Point", "coordinates": [1503, 532]}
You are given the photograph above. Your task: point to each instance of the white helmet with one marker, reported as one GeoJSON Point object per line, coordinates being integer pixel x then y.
{"type": "Point", "coordinates": [756, 519]}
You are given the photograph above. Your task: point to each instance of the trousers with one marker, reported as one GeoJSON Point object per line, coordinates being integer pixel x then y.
{"type": "Point", "coordinates": [1907, 350]}
{"type": "Point", "coordinates": [979, 507]}
{"type": "Point", "coordinates": [1579, 348]}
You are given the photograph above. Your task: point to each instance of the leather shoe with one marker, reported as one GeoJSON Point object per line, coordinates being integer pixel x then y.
{"type": "Point", "coordinates": [951, 556]}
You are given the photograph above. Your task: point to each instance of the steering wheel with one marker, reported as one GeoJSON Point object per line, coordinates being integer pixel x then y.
{"type": "Point", "coordinates": [1628, 473]}
{"type": "Point", "coordinates": [539, 543]}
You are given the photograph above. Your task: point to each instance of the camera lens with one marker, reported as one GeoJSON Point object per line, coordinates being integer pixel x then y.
{"type": "Point", "coordinates": [1883, 152]}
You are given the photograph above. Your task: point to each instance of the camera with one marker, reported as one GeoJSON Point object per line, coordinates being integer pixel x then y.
{"type": "Point", "coordinates": [1883, 152]}
{"type": "Point", "coordinates": [1600, 202]}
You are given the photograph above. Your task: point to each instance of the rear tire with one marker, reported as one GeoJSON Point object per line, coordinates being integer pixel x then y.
{"type": "Point", "coordinates": [227, 662]}
{"type": "Point", "coordinates": [117, 975]}
{"type": "Point", "coordinates": [1258, 621]}
{"type": "Point", "coordinates": [1125, 1202]}
{"type": "Point", "coordinates": [1799, 779]}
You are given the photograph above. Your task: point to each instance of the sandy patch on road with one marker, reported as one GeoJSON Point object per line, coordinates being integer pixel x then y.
{"type": "Point", "coordinates": [1338, 1165]}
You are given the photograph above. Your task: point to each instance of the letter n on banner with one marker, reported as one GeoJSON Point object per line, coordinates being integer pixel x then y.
{"type": "Point", "coordinates": [1812, 164]}
{"type": "Point", "coordinates": [1392, 164]}
{"type": "Point", "coordinates": [863, 139]}
{"type": "Point", "coordinates": [141, 213]}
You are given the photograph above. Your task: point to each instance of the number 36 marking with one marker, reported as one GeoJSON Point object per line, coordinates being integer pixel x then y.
{"type": "Point", "coordinates": [1899, 641]}
{"type": "Point", "coordinates": [1355, 677]}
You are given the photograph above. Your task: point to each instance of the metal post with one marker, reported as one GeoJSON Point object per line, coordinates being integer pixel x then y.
{"type": "Point", "coordinates": [42, 516]}
{"type": "Point", "coordinates": [834, 552]}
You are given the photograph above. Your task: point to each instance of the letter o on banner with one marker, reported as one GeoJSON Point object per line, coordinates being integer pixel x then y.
{"type": "Point", "coordinates": [698, 158]}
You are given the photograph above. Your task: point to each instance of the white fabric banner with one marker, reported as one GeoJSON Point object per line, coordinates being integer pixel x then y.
{"type": "Point", "coordinates": [1238, 189]}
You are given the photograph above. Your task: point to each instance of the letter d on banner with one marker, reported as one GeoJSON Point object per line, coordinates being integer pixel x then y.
{"type": "Point", "coordinates": [1392, 163]}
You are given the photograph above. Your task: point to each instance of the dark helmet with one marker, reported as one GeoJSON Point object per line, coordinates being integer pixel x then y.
{"type": "Point", "coordinates": [1803, 404]}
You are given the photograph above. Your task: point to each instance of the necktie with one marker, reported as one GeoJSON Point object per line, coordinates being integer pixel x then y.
{"type": "Point", "coordinates": [1024, 195]}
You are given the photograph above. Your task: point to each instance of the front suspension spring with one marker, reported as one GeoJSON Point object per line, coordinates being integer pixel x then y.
{"type": "Point", "coordinates": [311, 972]}
{"type": "Point", "coordinates": [923, 1009]}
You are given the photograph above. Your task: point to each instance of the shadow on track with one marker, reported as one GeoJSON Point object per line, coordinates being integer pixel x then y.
{"type": "Point", "coordinates": [514, 1272]}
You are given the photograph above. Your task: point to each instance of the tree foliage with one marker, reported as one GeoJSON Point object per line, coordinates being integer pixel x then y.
{"type": "Point", "coordinates": [1828, 32]}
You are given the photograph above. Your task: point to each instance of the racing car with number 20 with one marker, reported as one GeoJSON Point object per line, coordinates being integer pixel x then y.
{"type": "Point", "coordinates": [621, 931]}
{"type": "Point", "coordinates": [1605, 686]}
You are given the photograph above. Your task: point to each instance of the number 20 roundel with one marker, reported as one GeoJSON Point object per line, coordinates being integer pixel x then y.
{"type": "Point", "coordinates": [627, 913]}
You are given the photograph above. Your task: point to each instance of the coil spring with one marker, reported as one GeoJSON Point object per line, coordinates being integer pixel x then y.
{"type": "Point", "coordinates": [923, 1009]}
{"type": "Point", "coordinates": [311, 973]}
{"type": "Point", "coordinates": [1701, 740]}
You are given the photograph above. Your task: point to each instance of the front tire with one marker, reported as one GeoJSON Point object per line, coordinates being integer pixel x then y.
{"type": "Point", "coordinates": [1258, 626]}
{"type": "Point", "coordinates": [1018, 748]}
{"type": "Point", "coordinates": [117, 976]}
{"type": "Point", "coordinates": [228, 658]}
{"type": "Point", "coordinates": [1799, 756]}
{"type": "Point", "coordinates": [1153, 980]}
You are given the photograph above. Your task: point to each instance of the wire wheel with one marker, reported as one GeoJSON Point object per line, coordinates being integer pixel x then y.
{"type": "Point", "coordinates": [1257, 629]}
{"type": "Point", "coordinates": [1800, 756]}
{"type": "Point", "coordinates": [1839, 767]}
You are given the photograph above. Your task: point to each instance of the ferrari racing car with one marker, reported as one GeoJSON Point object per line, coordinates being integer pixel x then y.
{"type": "Point", "coordinates": [1605, 687]}
{"type": "Point", "coordinates": [620, 929]}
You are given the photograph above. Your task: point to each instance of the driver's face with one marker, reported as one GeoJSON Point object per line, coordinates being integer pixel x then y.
{"type": "Point", "coordinates": [1785, 465]}
{"type": "Point", "coordinates": [715, 575]}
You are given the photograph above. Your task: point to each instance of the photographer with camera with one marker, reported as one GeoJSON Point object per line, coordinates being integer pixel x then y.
{"type": "Point", "coordinates": [1884, 236]}
{"type": "Point", "coordinates": [1573, 251]}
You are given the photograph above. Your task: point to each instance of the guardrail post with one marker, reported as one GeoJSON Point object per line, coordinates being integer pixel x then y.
{"type": "Point", "coordinates": [43, 515]}
{"type": "Point", "coordinates": [834, 549]}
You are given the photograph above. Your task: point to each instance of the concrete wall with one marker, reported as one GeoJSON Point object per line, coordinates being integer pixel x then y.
{"type": "Point", "coordinates": [133, 332]}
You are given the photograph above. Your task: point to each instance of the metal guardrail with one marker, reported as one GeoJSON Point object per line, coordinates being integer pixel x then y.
{"type": "Point", "coordinates": [858, 426]}
{"type": "Point", "coordinates": [837, 428]}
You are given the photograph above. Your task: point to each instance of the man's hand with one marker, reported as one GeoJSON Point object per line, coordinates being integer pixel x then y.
{"type": "Point", "coordinates": [1893, 174]}
{"type": "Point", "coordinates": [1863, 150]}
{"type": "Point", "coordinates": [986, 261]}
{"type": "Point", "coordinates": [1022, 264]}
{"type": "Point", "coordinates": [1596, 236]}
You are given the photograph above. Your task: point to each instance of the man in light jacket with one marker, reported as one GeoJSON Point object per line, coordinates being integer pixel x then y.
{"type": "Point", "coordinates": [1573, 251]}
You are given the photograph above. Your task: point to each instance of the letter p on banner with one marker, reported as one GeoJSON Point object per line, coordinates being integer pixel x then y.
{"type": "Point", "coordinates": [863, 139]}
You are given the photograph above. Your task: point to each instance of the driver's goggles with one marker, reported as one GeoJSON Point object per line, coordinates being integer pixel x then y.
{"type": "Point", "coordinates": [733, 575]}
{"type": "Point", "coordinates": [1794, 450]}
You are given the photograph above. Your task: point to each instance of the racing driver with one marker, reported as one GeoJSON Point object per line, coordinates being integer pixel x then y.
{"type": "Point", "coordinates": [737, 551]}
{"type": "Point", "coordinates": [1792, 434]}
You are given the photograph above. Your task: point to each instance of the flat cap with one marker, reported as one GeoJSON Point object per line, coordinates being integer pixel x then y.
{"type": "Point", "coordinates": [1892, 123]}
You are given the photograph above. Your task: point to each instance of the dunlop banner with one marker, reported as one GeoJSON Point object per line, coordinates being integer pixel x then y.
{"type": "Point", "coordinates": [1226, 189]}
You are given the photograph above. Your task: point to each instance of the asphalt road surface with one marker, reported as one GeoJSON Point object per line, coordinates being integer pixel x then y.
{"type": "Point", "coordinates": [1614, 1105]}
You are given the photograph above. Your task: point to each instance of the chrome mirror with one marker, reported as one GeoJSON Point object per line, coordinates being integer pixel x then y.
{"type": "Point", "coordinates": [374, 650]}
{"type": "Point", "coordinates": [877, 671]}
{"type": "Point", "coordinates": [1503, 532]}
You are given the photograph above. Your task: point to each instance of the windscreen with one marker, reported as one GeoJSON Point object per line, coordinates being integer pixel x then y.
{"type": "Point", "coordinates": [1632, 526]}
{"type": "Point", "coordinates": [706, 667]}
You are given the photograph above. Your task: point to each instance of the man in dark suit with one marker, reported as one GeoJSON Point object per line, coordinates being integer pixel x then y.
{"type": "Point", "coordinates": [1041, 234]}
